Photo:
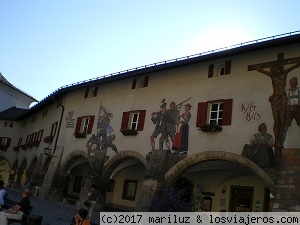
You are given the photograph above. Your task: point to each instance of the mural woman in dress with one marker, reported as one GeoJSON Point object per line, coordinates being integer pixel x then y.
{"type": "Point", "coordinates": [180, 144]}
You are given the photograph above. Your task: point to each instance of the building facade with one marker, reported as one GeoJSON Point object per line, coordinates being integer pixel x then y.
{"type": "Point", "coordinates": [120, 132]}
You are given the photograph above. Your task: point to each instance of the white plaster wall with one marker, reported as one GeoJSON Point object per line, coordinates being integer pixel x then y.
{"type": "Point", "coordinates": [178, 84]}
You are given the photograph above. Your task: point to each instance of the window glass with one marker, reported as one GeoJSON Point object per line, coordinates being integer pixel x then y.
{"type": "Point", "coordinates": [216, 113]}
{"type": "Point", "coordinates": [134, 121]}
{"type": "Point", "coordinates": [85, 124]}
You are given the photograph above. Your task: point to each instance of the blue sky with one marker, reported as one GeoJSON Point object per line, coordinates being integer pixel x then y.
{"type": "Point", "coordinates": [45, 45]}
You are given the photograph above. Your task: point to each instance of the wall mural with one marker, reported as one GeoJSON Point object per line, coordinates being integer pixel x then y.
{"type": "Point", "coordinates": [105, 133]}
{"type": "Point", "coordinates": [279, 101]}
{"type": "Point", "coordinates": [70, 122]}
{"type": "Point", "coordinates": [169, 123]}
{"type": "Point", "coordinates": [250, 110]}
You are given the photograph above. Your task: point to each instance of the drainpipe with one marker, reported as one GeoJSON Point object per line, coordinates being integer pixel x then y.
{"type": "Point", "coordinates": [59, 125]}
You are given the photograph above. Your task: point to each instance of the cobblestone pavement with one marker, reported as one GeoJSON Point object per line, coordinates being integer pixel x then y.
{"type": "Point", "coordinates": [54, 213]}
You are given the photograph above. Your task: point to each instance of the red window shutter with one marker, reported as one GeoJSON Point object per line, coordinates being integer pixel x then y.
{"type": "Point", "coordinates": [91, 123]}
{"type": "Point", "coordinates": [78, 125]}
{"type": "Point", "coordinates": [146, 80]}
{"type": "Point", "coordinates": [201, 113]}
{"type": "Point", "coordinates": [141, 123]}
{"type": "Point", "coordinates": [227, 112]}
{"type": "Point", "coordinates": [134, 83]}
{"type": "Point", "coordinates": [95, 91]}
{"type": "Point", "coordinates": [86, 94]}
{"type": "Point", "coordinates": [211, 71]}
{"type": "Point", "coordinates": [125, 119]}
{"type": "Point", "coordinates": [228, 67]}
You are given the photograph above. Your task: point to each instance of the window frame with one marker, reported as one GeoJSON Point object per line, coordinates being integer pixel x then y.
{"type": "Point", "coordinates": [127, 118]}
{"type": "Point", "coordinates": [203, 110]}
{"type": "Point", "coordinates": [140, 82]}
{"type": "Point", "coordinates": [79, 128]}
{"type": "Point", "coordinates": [215, 121]}
{"type": "Point", "coordinates": [216, 69]}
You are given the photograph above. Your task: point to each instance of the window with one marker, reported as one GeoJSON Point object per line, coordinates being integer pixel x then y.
{"type": "Point", "coordinates": [45, 112]}
{"type": "Point", "coordinates": [219, 111]}
{"type": "Point", "coordinates": [53, 129]}
{"type": "Point", "coordinates": [34, 135]}
{"type": "Point", "coordinates": [129, 189]}
{"type": "Point", "coordinates": [220, 69]}
{"type": "Point", "coordinates": [90, 92]}
{"type": "Point", "coordinates": [39, 135]}
{"type": "Point", "coordinates": [140, 82]}
{"type": "Point", "coordinates": [20, 141]}
{"type": "Point", "coordinates": [8, 124]}
{"type": "Point", "coordinates": [133, 120]}
{"type": "Point", "coordinates": [84, 124]}
{"type": "Point", "coordinates": [216, 113]}
{"type": "Point", "coordinates": [33, 119]}
{"type": "Point", "coordinates": [4, 142]}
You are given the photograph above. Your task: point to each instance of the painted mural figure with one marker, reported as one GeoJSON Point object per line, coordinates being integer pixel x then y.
{"type": "Point", "coordinates": [260, 149]}
{"type": "Point", "coordinates": [93, 144]}
{"type": "Point", "coordinates": [160, 119]}
{"type": "Point", "coordinates": [278, 99]}
{"type": "Point", "coordinates": [180, 144]}
{"type": "Point", "coordinates": [103, 127]}
{"type": "Point", "coordinates": [293, 103]}
{"type": "Point", "coordinates": [171, 127]}
{"type": "Point", "coordinates": [109, 143]}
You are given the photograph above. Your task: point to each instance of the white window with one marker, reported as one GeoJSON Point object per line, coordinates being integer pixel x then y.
{"type": "Point", "coordinates": [222, 70]}
{"type": "Point", "coordinates": [215, 113]}
{"type": "Point", "coordinates": [85, 124]}
{"type": "Point", "coordinates": [134, 120]}
{"type": "Point", "coordinates": [140, 82]}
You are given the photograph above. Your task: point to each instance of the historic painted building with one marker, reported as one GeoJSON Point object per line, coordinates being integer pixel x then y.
{"type": "Point", "coordinates": [120, 132]}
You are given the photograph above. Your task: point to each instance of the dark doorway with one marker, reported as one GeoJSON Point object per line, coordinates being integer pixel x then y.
{"type": "Point", "coordinates": [186, 187]}
{"type": "Point", "coordinates": [241, 199]}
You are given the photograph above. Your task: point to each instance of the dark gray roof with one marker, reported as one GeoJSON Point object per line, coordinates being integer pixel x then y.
{"type": "Point", "coordinates": [12, 113]}
{"type": "Point", "coordinates": [5, 81]}
{"type": "Point", "coordinates": [264, 43]}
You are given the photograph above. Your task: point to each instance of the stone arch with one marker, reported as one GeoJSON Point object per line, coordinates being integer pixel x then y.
{"type": "Point", "coordinates": [121, 156]}
{"type": "Point", "coordinates": [186, 163]}
{"type": "Point", "coordinates": [71, 158]}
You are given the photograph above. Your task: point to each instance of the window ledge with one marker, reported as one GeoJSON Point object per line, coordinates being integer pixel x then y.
{"type": "Point", "coordinates": [80, 135]}
{"type": "Point", "coordinates": [210, 128]}
{"type": "Point", "coordinates": [129, 132]}
{"type": "Point", "coordinates": [48, 139]}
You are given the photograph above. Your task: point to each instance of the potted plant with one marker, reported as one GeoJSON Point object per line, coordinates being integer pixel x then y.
{"type": "Point", "coordinates": [48, 139]}
{"type": "Point", "coordinates": [210, 128]}
{"type": "Point", "coordinates": [129, 132]}
{"type": "Point", "coordinates": [80, 135]}
{"type": "Point", "coordinates": [16, 148]}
